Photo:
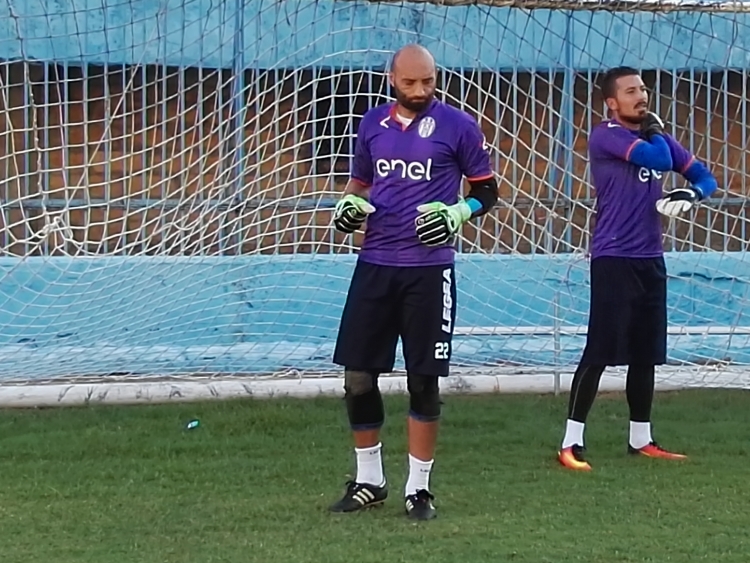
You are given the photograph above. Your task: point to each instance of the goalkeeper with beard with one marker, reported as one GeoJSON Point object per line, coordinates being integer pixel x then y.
{"type": "Point", "coordinates": [629, 156]}
{"type": "Point", "coordinates": [410, 160]}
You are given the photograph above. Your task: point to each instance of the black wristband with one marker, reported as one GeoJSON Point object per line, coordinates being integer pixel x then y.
{"type": "Point", "coordinates": [485, 192]}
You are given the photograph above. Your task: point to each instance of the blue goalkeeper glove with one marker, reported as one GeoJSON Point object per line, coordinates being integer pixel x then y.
{"type": "Point", "coordinates": [438, 223]}
{"type": "Point", "coordinates": [350, 213]}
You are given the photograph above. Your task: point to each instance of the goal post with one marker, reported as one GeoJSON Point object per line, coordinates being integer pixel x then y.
{"type": "Point", "coordinates": [169, 169]}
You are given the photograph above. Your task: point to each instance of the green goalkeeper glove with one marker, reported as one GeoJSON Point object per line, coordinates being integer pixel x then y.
{"type": "Point", "coordinates": [350, 213]}
{"type": "Point", "coordinates": [438, 223]}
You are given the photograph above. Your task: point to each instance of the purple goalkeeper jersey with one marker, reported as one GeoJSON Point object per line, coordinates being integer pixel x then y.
{"type": "Point", "coordinates": [407, 166]}
{"type": "Point", "coordinates": [627, 222]}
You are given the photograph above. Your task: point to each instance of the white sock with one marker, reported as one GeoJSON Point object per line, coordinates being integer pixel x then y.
{"type": "Point", "coordinates": [370, 465]}
{"type": "Point", "coordinates": [419, 475]}
{"type": "Point", "coordinates": [640, 434]}
{"type": "Point", "coordinates": [573, 434]}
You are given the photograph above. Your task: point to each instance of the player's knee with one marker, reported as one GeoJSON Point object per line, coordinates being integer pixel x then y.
{"type": "Point", "coordinates": [424, 397]}
{"type": "Point", "coordinates": [358, 382]}
{"type": "Point", "coordinates": [364, 404]}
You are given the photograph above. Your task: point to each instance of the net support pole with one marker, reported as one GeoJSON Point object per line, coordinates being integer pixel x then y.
{"type": "Point", "coordinates": [236, 145]}
{"type": "Point", "coordinates": [558, 345]}
{"type": "Point", "coordinates": [568, 134]}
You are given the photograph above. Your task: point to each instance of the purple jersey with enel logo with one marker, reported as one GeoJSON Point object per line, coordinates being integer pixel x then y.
{"type": "Point", "coordinates": [627, 222]}
{"type": "Point", "coordinates": [408, 166]}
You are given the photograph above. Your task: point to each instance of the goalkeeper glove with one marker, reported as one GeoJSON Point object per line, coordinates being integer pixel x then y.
{"type": "Point", "coordinates": [678, 201]}
{"type": "Point", "coordinates": [350, 213]}
{"type": "Point", "coordinates": [438, 223]}
{"type": "Point", "coordinates": [651, 125]}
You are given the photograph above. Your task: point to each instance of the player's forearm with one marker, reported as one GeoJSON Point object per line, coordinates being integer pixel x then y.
{"type": "Point", "coordinates": [701, 179]}
{"type": "Point", "coordinates": [357, 188]}
{"type": "Point", "coordinates": [482, 196]}
{"type": "Point", "coordinates": [654, 155]}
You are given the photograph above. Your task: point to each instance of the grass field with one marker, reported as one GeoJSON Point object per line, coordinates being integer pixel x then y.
{"type": "Point", "coordinates": [129, 484]}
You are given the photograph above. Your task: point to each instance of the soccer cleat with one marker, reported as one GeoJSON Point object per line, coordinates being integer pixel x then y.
{"type": "Point", "coordinates": [359, 496]}
{"type": "Point", "coordinates": [572, 458]}
{"type": "Point", "coordinates": [419, 505]}
{"type": "Point", "coordinates": [654, 450]}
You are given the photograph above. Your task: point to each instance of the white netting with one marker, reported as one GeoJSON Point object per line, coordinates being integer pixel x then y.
{"type": "Point", "coordinates": [169, 169]}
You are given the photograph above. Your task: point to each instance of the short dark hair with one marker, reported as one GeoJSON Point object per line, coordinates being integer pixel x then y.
{"type": "Point", "coordinates": [609, 81]}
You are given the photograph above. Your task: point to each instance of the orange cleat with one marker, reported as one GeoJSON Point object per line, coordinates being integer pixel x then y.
{"type": "Point", "coordinates": [572, 458]}
{"type": "Point", "coordinates": [655, 450]}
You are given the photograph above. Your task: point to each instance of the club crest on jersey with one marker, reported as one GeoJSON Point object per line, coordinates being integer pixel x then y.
{"type": "Point", "coordinates": [426, 127]}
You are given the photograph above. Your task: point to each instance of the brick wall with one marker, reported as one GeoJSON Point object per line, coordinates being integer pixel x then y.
{"type": "Point", "coordinates": [149, 160]}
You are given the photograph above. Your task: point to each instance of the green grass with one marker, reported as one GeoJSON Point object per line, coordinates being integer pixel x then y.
{"type": "Point", "coordinates": [129, 484]}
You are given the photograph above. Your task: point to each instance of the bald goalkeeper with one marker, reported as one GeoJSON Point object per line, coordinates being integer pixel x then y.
{"type": "Point", "coordinates": [406, 182]}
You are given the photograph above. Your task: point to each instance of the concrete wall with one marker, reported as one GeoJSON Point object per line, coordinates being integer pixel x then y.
{"type": "Point", "coordinates": [258, 314]}
{"type": "Point", "coordinates": [329, 33]}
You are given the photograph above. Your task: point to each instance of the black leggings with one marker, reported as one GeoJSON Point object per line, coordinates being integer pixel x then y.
{"type": "Point", "coordinates": [639, 389]}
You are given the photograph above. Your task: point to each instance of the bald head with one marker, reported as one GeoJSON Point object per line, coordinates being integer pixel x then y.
{"type": "Point", "coordinates": [413, 78]}
{"type": "Point", "coordinates": [412, 56]}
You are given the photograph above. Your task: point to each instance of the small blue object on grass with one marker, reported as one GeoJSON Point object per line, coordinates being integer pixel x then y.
{"type": "Point", "coordinates": [193, 424]}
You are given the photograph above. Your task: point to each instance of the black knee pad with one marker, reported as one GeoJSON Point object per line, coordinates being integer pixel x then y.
{"type": "Point", "coordinates": [364, 405]}
{"type": "Point", "coordinates": [424, 397]}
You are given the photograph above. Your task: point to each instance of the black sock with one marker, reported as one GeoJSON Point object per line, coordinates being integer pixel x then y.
{"type": "Point", "coordinates": [639, 389]}
{"type": "Point", "coordinates": [583, 391]}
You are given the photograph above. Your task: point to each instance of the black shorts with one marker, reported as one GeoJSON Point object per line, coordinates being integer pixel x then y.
{"type": "Point", "coordinates": [385, 302]}
{"type": "Point", "coordinates": [628, 312]}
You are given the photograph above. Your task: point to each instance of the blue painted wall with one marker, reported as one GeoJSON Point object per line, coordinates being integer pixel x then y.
{"type": "Point", "coordinates": [266, 313]}
{"type": "Point", "coordinates": [294, 33]}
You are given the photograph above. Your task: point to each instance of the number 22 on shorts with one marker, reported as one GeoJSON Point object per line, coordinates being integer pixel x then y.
{"type": "Point", "coordinates": [442, 350]}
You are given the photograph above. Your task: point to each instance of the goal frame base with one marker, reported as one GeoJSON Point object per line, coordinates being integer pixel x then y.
{"type": "Point", "coordinates": [62, 393]}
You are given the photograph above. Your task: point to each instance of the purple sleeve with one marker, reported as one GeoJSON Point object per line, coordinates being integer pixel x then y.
{"type": "Point", "coordinates": [361, 170]}
{"type": "Point", "coordinates": [681, 157]}
{"type": "Point", "coordinates": [611, 140]}
{"type": "Point", "coordinates": [473, 153]}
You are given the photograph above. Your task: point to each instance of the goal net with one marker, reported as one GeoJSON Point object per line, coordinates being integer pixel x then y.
{"type": "Point", "coordinates": [169, 170]}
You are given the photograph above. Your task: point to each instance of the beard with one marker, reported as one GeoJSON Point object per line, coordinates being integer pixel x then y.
{"type": "Point", "coordinates": [633, 119]}
{"type": "Point", "coordinates": [411, 104]}
{"type": "Point", "coordinates": [636, 118]}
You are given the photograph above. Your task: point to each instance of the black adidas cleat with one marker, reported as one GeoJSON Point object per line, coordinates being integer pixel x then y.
{"type": "Point", "coordinates": [359, 496]}
{"type": "Point", "coordinates": [419, 506]}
